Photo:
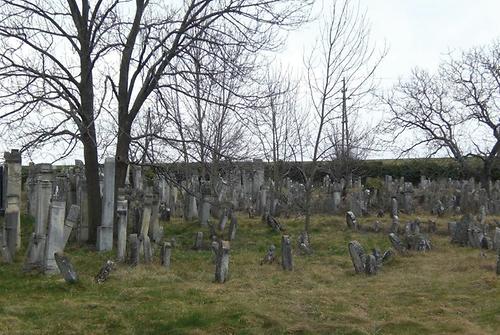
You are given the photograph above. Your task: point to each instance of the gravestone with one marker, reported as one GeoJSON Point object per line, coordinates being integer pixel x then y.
{"type": "Point", "coordinates": [395, 225]}
{"type": "Point", "coordinates": [66, 268]}
{"type": "Point", "coordinates": [394, 207]}
{"type": "Point", "coordinates": [222, 264]}
{"type": "Point", "coordinates": [461, 232]}
{"type": "Point", "coordinates": [496, 239]}
{"type": "Point", "coordinates": [351, 221]}
{"type": "Point", "coordinates": [396, 243]}
{"type": "Point", "coordinates": [165, 254]}
{"type": "Point", "coordinates": [233, 226]}
{"type": "Point", "coordinates": [11, 224]}
{"type": "Point", "coordinates": [55, 236]}
{"type": "Point", "coordinates": [205, 212]}
{"type": "Point", "coordinates": [215, 249]}
{"type": "Point", "coordinates": [223, 221]}
{"type": "Point", "coordinates": [371, 265]}
{"type": "Point", "coordinates": [36, 250]}
{"type": "Point", "coordinates": [286, 253]}
{"type": "Point", "coordinates": [105, 230]}
{"type": "Point", "coordinates": [148, 251]}
{"type": "Point", "coordinates": [198, 241]}
{"type": "Point", "coordinates": [270, 256]}
{"type": "Point", "coordinates": [6, 257]}
{"type": "Point", "coordinates": [70, 222]}
{"type": "Point", "coordinates": [134, 247]}
{"type": "Point", "coordinates": [121, 212]}
{"type": "Point", "coordinates": [104, 272]}
{"type": "Point", "coordinates": [358, 256]}
{"type": "Point", "coordinates": [13, 189]}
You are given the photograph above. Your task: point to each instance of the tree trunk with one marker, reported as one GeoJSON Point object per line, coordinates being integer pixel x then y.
{"type": "Point", "coordinates": [486, 175]}
{"type": "Point", "coordinates": [121, 157]}
{"type": "Point", "coordinates": [93, 188]}
{"type": "Point", "coordinates": [308, 206]}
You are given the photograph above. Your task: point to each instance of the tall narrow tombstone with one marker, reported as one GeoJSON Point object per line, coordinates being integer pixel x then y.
{"type": "Point", "coordinates": [222, 264]}
{"type": "Point", "coordinates": [358, 256]}
{"type": "Point", "coordinates": [36, 251]}
{"type": "Point", "coordinates": [394, 207]}
{"type": "Point", "coordinates": [148, 251]}
{"type": "Point", "coordinates": [165, 254]}
{"type": "Point", "coordinates": [395, 225]}
{"type": "Point", "coordinates": [11, 224]}
{"type": "Point", "coordinates": [286, 253]}
{"type": "Point", "coordinates": [155, 230]}
{"type": "Point", "coordinates": [13, 188]}
{"type": "Point", "coordinates": [192, 207]}
{"type": "Point", "coordinates": [496, 239]}
{"type": "Point", "coordinates": [146, 213]}
{"type": "Point", "coordinates": [233, 226]}
{"type": "Point", "coordinates": [121, 212]}
{"type": "Point", "coordinates": [198, 242]}
{"type": "Point", "coordinates": [66, 268]}
{"type": "Point", "coordinates": [55, 235]}
{"type": "Point", "coordinates": [105, 231]}
{"type": "Point", "coordinates": [134, 246]}
{"type": "Point", "coordinates": [70, 222]}
{"type": "Point", "coordinates": [205, 212]}
{"type": "Point", "coordinates": [223, 221]}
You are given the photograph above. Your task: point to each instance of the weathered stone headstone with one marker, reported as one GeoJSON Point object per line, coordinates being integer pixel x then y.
{"type": "Point", "coordinates": [66, 268]}
{"type": "Point", "coordinates": [371, 265]}
{"type": "Point", "coordinates": [351, 221]}
{"type": "Point", "coordinates": [498, 263]}
{"type": "Point", "coordinates": [11, 224]}
{"type": "Point", "coordinates": [105, 231]}
{"type": "Point", "coordinates": [395, 225]}
{"type": "Point", "coordinates": [205, 212]}
{"type": "Point", "coordinates": [496, 239]}
{"type": "Point", "coordinates": [270, 256]}
{"type": "Point", "coordinates": [358, 256]}
{"type": "Point", "coordinates": [104, 272]}
{"type": "Point", "coordinates": [121, 211]}
{"type": "Point", "coordinates": [6, 256]}
{"type": "Point", "coordinates": [165, 254]}
{"type": "Point", "coordinates": [223, 221]}
{"type": "Point", "coordinates": [396, 243]}
{"type": "Point", "coordinates": [134, 249]}
{"type": "Point", "coordinates": [13, 194]}
{"type": "Point", "coordinates": [233, 226]}
{"type": "Point", "coordinates": [55, 235]}
{"type": "Point", "coordinates": [286, 253]}
{"type": "Point", "coordinates": [70, 222]}
{"type": "Point", "coordinates": [215, 249]}
{"type": "Point", "coordinates": [394, 207]}
{"type": "Point", "coordinates": [148, 251]}
{"type": "Point", "coordinates": [198, 241]}
{"type": "Point", "coordinates": [222, 264]}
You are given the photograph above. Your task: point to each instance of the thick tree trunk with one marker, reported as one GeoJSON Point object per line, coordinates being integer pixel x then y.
{"type": "Point", "coordinates": [93, 189]}
{"type": "Point", "coordinates": [121, 156]}
{"type": "Point", "coordinates": [308, 206]}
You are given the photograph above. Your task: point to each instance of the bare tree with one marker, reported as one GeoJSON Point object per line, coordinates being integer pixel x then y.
{"type": "Point", "coordinates": [437, 112]}
{"type": "Point", "coordinates": [154, 41]}
{"type": "Point", "coordinates": [344, 55]}
{"type": "Point", "coordinates": [49, 51]}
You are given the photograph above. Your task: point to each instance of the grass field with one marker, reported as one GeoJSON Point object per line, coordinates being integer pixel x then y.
{"type": "Point", "coordinates": [450, 290]}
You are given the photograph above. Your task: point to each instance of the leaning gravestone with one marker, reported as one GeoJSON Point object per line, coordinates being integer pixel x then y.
{"type": "Point", "coordinates": [70, 222]}
{"type": "Point", "coordinates": [396, 243]}
{"type": "Point", "coordinates": [66, 268]}
{"type": "Point", "coordinates": [351, 220]}
{"type": "Point", "coordinates": [286, 253]}
{"type": "Point", "coordinates": [358, 256]}
{"type": "Point", "coordinates": [222, 264]}
{"type": "Point", "coordinates": [105, 271]}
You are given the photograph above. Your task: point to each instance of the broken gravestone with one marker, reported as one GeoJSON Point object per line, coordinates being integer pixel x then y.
{"type": "Point", "coordinates": [222, 263]}
{"type": "Point", "coordinates": [371, 265]}
{"type": "Point", "coordinates": [104, 272]}
{"type": "Point", "coordinates": [270, 256]}
{"type": "Point", "coordinates": [358, 256]}
{"type": "Point", "coordinates": [396, 243]}
{"type": "Point", "coordinates": [351, 220]}
{"type": "Point", "coordinates": [66, 268]}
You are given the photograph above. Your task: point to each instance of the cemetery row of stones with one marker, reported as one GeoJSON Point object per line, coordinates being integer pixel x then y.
{"type": "Point", "coordinates": [468, 232]}
{"type": "Point", "coordinates": [58, 202]}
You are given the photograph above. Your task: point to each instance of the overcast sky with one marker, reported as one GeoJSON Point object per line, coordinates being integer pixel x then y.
{"type": "Point", "coordinates": [417, 32]}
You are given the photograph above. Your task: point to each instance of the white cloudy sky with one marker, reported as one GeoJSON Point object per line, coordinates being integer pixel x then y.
{"type": "Point", "coordinates": [417, 32]}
